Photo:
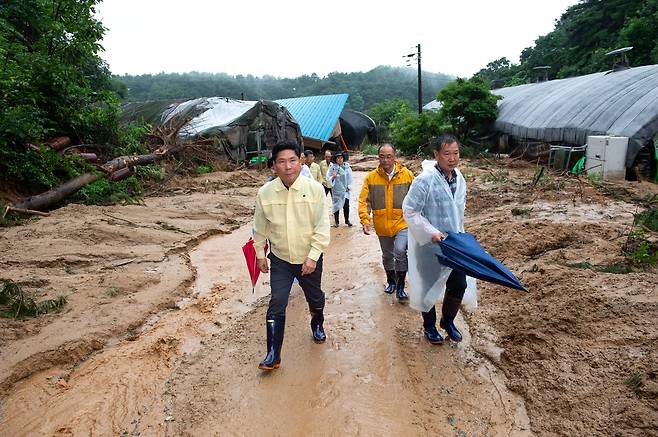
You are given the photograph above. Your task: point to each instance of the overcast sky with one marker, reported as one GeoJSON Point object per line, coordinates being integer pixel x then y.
{"type": "Point", "coordinates": [288, 38]}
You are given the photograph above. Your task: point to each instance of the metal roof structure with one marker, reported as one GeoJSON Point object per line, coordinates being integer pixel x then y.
{"type": "Point", "coordinates": [620, 103]}
{"type": "Point", "coordinates": [317, 115]}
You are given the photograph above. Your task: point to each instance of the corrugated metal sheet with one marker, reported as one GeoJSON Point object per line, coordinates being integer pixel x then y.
{"type": "Point", "coordinates": [622, 103]}
{"type": "Point", "coordinates": [316, 115]}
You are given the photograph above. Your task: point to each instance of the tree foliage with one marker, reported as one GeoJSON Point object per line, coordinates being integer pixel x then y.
{"type": "Point", "coordinates": [52, 81]}
{"type": "Point", "coordinates": [580, 40]}
{"type": "Point", "coordinates": [468, 106]}
{"type": "Point", "coordinates": [411, 132]}
{"type": "Point", "coordinates": [365, 89]}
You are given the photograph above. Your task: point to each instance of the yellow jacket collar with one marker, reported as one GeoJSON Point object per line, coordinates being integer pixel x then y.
{"type": "Point", "coordinates": [295, 185]}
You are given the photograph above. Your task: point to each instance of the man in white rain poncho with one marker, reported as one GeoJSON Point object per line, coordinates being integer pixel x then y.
{"type": "Point", "coordinates": [433, 207]}
{"type": "Point", "coordinates": [339, 176]}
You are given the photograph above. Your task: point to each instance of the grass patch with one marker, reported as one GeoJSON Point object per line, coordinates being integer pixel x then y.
{"type": "Point", "coordinates": [104, 192]}
{"type": "Point", "coordinates": [369, 149]}
{"type": "Point", "coordinates": [648, 218]}
{"type": "Point", "coordinates": [204, 169]}
{"type": "Point", "coordinates": [151, 171]}
{"type": "Point", "coordinates": [496, 177]}
{"type": "Point", "coordinates": [579, 265]}
{"type": "Point", "coordinates": [595, 179]}
{"type": "Point", "coordinates": [14, 303]}
{"type": "Point", "coordinates": [639, 251]}
{"type": "Point", "coordinates": [114, 292]}
{"type": "Point", "coordinates": [634, 382]}
{"type": "Point", "coordinates": [523, 212]}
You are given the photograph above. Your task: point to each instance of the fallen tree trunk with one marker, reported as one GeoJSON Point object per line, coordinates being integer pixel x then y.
{"type": "Point", "coordinates": [41, 201]}
{"type": "Point", "coordinates": [115, 169]}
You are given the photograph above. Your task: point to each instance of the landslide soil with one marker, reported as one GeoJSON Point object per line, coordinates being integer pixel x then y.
{"type": "Point", "coordinates": [162, 333]}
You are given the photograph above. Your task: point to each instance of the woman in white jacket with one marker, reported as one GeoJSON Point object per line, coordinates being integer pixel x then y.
{"type": "Point", "coordinates": [433, 207]}
{"type": "Point", "coordinates": [339, 176]}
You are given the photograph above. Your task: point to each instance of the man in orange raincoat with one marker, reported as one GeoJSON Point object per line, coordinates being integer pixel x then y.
{"type": "Point", "coordinates": [382, 194]}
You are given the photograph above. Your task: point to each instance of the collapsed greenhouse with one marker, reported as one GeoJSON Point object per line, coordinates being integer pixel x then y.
{"type": "Point", "coordinates": [239, 129]}
{"type": "Point", "coordinates": [569, 111]}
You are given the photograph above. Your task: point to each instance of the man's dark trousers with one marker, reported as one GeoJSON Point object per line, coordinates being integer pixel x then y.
{"type": "Point", "coordinates": [282, 274]}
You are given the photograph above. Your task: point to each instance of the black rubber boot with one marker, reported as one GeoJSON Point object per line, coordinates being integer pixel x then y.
{"type": "Point", "coordinates": [399, 286]}
{"type": "Point", "coordinates": [346, 213]}
{"type": "Point", "coordinates": [390, 279]}
{"type": "Point", "coordinates": [429, 327]}
{"type": "Point", "coordinates": [317, 319]}
{"type": "Point", "coordinates": [275, 329]}
{"type": "Point", "coordinates": [336, 214]}
{"type": "Point", "coordinates": [449, 311]}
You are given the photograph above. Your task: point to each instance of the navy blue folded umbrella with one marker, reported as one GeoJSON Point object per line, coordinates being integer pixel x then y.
{"type": "Point", "coordinates": [462, 252]}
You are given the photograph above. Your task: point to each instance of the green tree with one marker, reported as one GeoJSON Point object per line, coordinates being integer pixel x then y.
{"type": "Point", "coordinates": [468, 106]}
{"type": "Point", "coordinates": [581, 38]}
{"type": "Point", "coordinates": [411, 132]}
{"type": "Point", "coordinates": [384, 112]}
{"type": "Point", "coordinates": [52, 81]}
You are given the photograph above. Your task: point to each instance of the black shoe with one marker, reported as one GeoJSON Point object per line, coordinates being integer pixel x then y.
{"type": "Point", "coordinates": [274, 329]}
{"type": "Point", "coordinates": [317, 319]}
{"type": "Point", "coordinates": [349, 224]}
{"type": "Point", "coordinates": [432, 335]}
{"type": "Point", "coordinates": [390, 279]}
{"type": "Point", "coordinates": [451, 329]}
{"type": "Point", "coordinates": [399, 286]}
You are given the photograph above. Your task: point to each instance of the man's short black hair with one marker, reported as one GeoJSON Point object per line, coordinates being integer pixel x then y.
{"type": "Point", "coordinates": [286, 145]}
{"type": "Point", "coordinates": [309, 152]}
{"type": "Point", "coordinates": [442, 140]}
{"type": "Point", "coordinates": [270, 162]}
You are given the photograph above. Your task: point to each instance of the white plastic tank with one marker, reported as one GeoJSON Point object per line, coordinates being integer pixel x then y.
{"type": "Point", "coordinates": [606, 155]}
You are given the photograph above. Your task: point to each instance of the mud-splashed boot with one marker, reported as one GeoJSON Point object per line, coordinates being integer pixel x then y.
{"type": "Point", "coordinates": [399, 286]}
{"type": "Point", "coordinates": [317, 319]}
{"type": "Point", "coordinates": [336, 219]}
{"type": "Point", "coordinates": [429, 327]}
{"type": "Point", "coordinates": [390, 278]}
{"type": "Point", "coordinates": [449, 311]}
{"type": "Point", "coordinates": [274, 329]}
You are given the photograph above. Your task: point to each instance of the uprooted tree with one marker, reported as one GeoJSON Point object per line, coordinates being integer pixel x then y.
{"type": "Point", "coordinates": [52, 82]}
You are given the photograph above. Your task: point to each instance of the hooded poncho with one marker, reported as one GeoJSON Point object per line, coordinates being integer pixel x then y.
{"type": "Point", "coordinates": [428, 208]}
{"type": "Point", "coordinates": [341, 185]}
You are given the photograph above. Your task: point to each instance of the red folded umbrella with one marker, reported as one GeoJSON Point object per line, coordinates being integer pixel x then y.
{"type": "Point", "coordinates": [250, 257]}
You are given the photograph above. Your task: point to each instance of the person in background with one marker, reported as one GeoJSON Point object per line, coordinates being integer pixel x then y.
{"type": "Point", "coordinates": [433, 207]}
{"type": "Point", "coordinates": [339, 175]}
{"type": "Point", "coordinates": [383, 191]}
{"type": "Point", "coordinates": [270, 165]}
{"type": "Point", "coordinates": [324, 167]}
{"type": "Point", "coordinates": [309, 156]}
{"type": "Point", "coordinates": [305, 171]}
{"type": "Point", "coordinates": [291, 214]}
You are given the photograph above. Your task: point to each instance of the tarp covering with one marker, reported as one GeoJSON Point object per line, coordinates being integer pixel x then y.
{"type": "Point", "coordinates": [622, 103]}
{"type": "Point", "coordinates": [355, 126]}
{"type": "Point", "coordinates": [233, 124]}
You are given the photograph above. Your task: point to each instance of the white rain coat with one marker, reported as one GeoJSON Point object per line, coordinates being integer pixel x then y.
{"type": "Point", "coordinates": [341, 185]}
{"type": "Point", "coordinates": [428, 208]}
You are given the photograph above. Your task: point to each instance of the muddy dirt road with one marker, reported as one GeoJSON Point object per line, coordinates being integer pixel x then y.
{"type": "Point", "coordinates": [162, 334]}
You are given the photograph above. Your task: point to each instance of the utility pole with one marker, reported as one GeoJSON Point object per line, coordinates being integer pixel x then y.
{"type": "Point", "coordinates": [420, 80]}
{"type": "Point", "coordinates": [420, 85]}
